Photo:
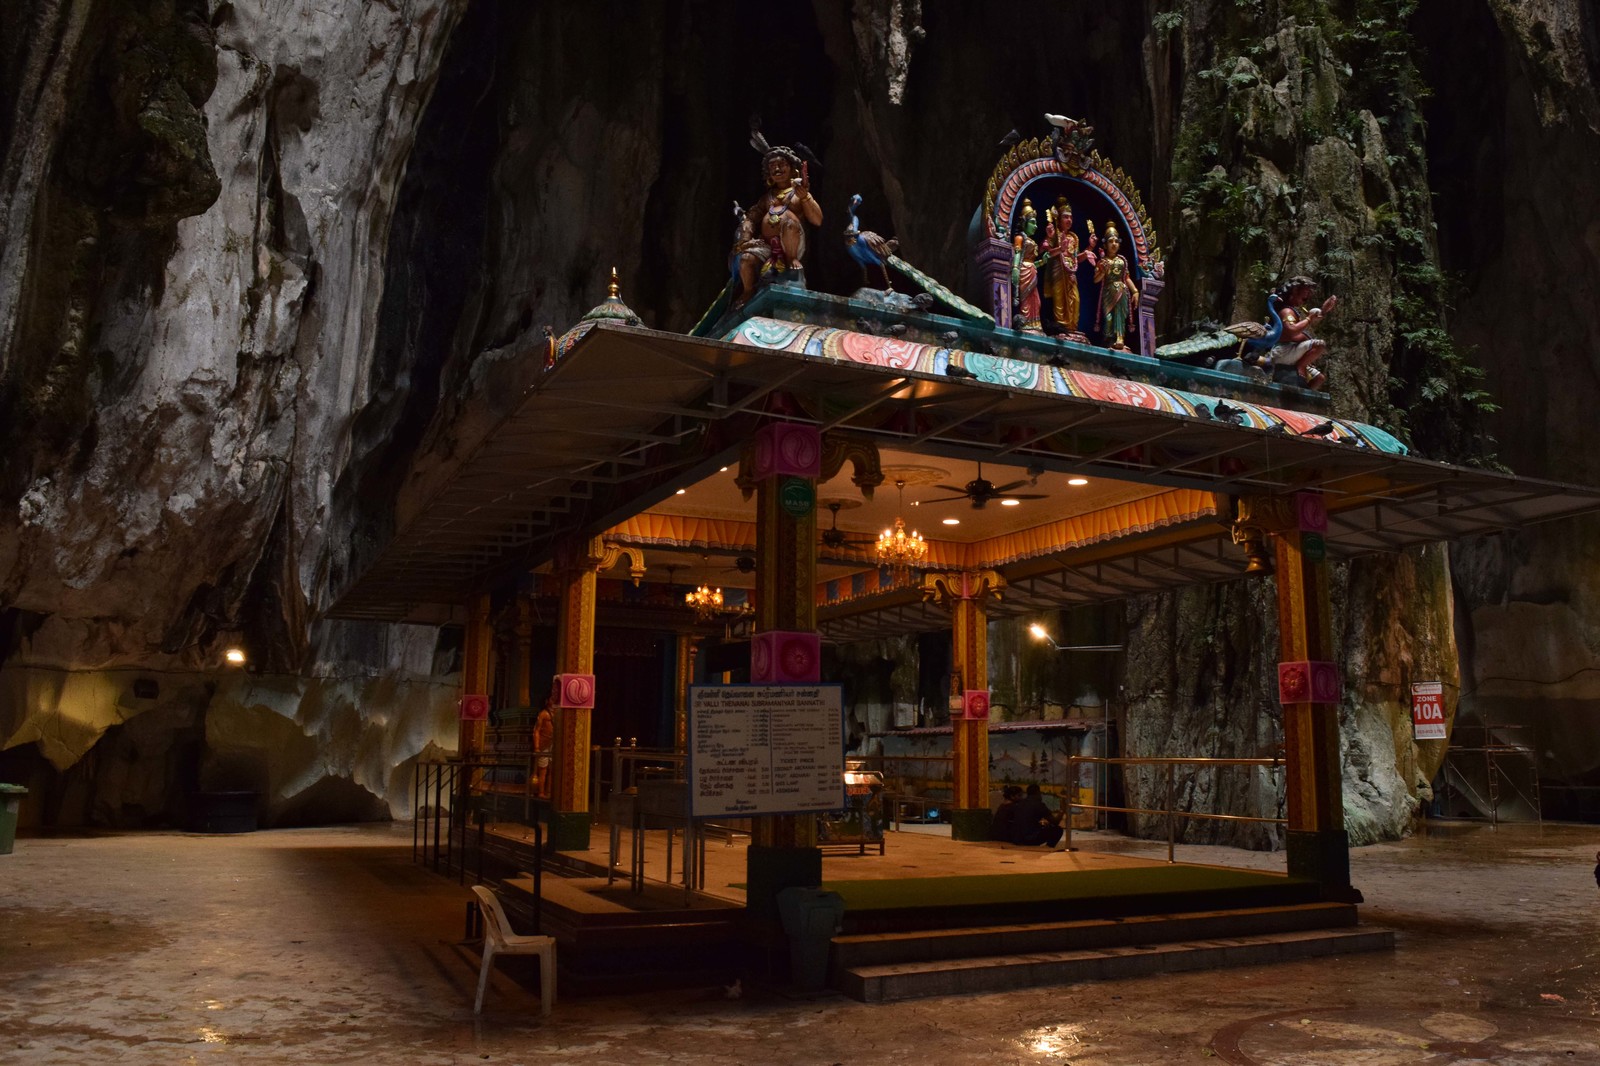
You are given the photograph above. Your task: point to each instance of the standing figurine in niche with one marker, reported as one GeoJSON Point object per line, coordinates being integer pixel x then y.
{"type": "Point", "coordinates": [1117, 294]}
{"type": "Point", "coordinates": [773, 233]}
{"type": "Point", "coordinates": [1025, 270]}
{"type": "Point", "coordinates": [1061, 248]}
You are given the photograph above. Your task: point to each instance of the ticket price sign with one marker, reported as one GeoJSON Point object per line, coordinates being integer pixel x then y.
{"type": "Point", "coordinates": [765, 749]}
{"type": "Point", "coordinates": [1427, 710]}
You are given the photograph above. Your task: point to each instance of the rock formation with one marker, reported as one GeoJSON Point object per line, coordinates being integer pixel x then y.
{"type": "Point", "coordinates": [264, 265]}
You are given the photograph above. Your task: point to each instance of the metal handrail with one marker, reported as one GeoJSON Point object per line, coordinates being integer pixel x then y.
{"type": "Point", "coordinates": [1171, 763]}
{"type": "Point", "coordinates": [624, 762]}
{"type": "Point", "coordinates": [450, 781]}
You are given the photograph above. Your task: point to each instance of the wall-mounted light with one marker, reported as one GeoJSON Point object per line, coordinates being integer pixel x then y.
{"type": "Point", "coordinates": [1040, 633]}
{"type": "Point", "coordinates": [234, 656]}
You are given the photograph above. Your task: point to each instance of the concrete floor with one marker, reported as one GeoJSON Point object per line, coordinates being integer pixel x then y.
{"type": "Point", "coordinates": [328, 946]}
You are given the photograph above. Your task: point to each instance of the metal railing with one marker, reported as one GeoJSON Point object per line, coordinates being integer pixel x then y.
{"type": "Point", "coordinates": [1504, 763]}
{"type": "Point", "coordinates": [1456, 781]}
{"type": "Point", "coordinates": [631, 787]}
{"type": "Point", "coordinates": [616, 768]}
{"type": "Point", "coordinates": [1168, 808]}
{"type": "Point", "coordinates": [441, 838]}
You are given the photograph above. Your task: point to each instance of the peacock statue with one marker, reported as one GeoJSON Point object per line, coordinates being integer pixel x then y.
{"type": "Point", "coordinates": [1260, 336]}
{"type": "Point", "coordinates": [867, 248]}
{"type": "Point", "coordinates": [870, 250]}
{"type": "Point", "coordinates": [1253, 339]}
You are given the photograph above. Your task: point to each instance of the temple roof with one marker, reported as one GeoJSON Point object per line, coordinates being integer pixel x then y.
{"type": "Point", "coordinates": [628, 416]}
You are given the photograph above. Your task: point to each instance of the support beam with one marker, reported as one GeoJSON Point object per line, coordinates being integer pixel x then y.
{"type": "Point", "coordinates": [576, 570]}
{"type": "Point", "coordinates": [784, 462]}
{"type": "Point", "coordinates": [687, 648]}
{"type": "Point", "coordinates": [522, 661]}
{"type": "Point", "coordinates": [477, 642]}
{"type": "Point", "coordinates": [964, 593]}
{"type": "Point", "coordinates": [1308, 685]}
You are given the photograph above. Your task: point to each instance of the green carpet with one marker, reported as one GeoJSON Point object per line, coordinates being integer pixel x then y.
{"type": "Point", "coordinates": [1087, 885]}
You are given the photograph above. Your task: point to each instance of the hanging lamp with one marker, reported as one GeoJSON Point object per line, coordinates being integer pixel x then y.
{"type": "Point", "coordinates": [706, 601]}
{"type": "Point", "coordinates": [897, 548]}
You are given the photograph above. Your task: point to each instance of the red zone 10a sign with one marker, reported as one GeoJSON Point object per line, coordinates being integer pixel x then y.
{"type": "Point", "coordinates": [1427, 710]}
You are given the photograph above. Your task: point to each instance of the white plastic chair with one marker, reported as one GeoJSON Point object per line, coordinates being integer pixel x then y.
{"type": "Point", "coordinates": [498, 939]}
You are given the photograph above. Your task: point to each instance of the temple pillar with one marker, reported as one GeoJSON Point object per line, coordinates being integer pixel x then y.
{"type": "Point", "coordinates": [573, 694]}
{"type": "Point", "coordinates": [522, 661]}
{"type": "Point", "coordinates": [964, 594]}
{"type": "Point", "coordinates": [1308, 684]}
{"type": "Point", "coordinates": [1149, 295]}
{"type": "Point", "coordinates": [477, 641]}
{"type": "Point", "coordinates": [683, 677]}
{"type": "Point", "coordinates": [784, 461]}
{"type": "Point", "coordinates": [994, 265]}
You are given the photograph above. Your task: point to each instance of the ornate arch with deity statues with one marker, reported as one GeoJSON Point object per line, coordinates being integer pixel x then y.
{"type": "Point", "coordinates": [1023, 245]}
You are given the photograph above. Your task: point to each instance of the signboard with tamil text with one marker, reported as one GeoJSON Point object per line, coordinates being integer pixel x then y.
{"type": "Point", "coordinates": [765, 749]}
{"type": "Point", "coordinates": [1427, 710]}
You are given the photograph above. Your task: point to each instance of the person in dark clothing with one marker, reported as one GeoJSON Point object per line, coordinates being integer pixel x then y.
{"type": "Point", "coordinates": [1035, 822]}
{"type": "Point", "coordinates": [1003, 826]}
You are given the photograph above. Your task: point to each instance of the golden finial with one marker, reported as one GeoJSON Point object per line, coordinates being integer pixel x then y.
{"type": "Point", "coordinates": [612, 308]}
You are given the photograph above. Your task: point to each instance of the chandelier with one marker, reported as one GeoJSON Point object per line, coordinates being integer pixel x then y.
{"type": "Point", "coordinates": [896, 547]}
{"type": "Point", "coordinates": [705, 600]}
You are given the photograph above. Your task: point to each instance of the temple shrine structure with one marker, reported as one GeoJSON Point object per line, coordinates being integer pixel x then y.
{"type": "Point", "coordinates": [669, 513]}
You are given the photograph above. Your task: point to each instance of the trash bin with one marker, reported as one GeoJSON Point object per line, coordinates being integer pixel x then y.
{"type": "Point", "coordinates": [810, 918]}
{"type": "Point", "coordinates": [10, 805]}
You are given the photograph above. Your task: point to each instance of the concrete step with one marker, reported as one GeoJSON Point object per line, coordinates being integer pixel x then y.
{"type": "Point", "coordinates": [997, 973]}
{"type": "Point", "coordinates": [929, 945]}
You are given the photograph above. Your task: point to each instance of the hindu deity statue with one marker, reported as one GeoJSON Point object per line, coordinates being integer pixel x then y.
{"type": "Point", "coordinates": [1025, 271]}
{"type": "Point", "coordinates": [1117, 294]}
{"type": "Point", "coordinates": [772, 236]}
{"type": "Point", "coordinates": [1296, 351]}
{"type": "Point", "coordinates": [1063, 256]}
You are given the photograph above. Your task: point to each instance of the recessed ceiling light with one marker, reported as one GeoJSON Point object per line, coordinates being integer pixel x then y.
{"type": "Point", "coordinates": [952, 521]}
{"type": "Point", "coordinates": [682, 491]}
{"type": "Point", "coordinates": [1009, 503]}
{"type": "Point", "coordinates": [1077, 481]}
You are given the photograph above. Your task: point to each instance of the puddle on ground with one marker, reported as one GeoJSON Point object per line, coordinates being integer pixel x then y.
{"type": "Point", "coordinates": [41, 937]}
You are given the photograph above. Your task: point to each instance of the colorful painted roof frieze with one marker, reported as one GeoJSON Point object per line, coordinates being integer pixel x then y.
{"type": "Point", "coordinates": [892, 353]}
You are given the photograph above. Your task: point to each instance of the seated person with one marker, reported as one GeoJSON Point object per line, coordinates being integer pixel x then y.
{"type": "Point", "coordinates": [1003, 826]}
{"type": "Point", "coordinates": [1035, 823]}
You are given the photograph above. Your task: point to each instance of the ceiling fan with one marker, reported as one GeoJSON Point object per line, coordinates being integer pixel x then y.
{"type": "Point", "coordinates": [836, 538]}
{"type": "Point", "coordinates": [981, 490]}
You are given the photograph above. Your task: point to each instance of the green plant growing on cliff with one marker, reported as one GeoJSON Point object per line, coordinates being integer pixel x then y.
{"type": "Point", "coordinates": [1435, 387]}
{"type": "Point", "coordinates": [1434, 396]}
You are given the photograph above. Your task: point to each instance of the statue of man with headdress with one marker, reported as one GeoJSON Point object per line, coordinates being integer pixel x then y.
{"type": "Point", "coordinates": [772, 234]}
{"type": "Point", "coordinates": [1063, 253]}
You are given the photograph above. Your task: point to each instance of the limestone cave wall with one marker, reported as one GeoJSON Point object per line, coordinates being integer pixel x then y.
{"type": "Point", "coordinates": [264, 265]}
